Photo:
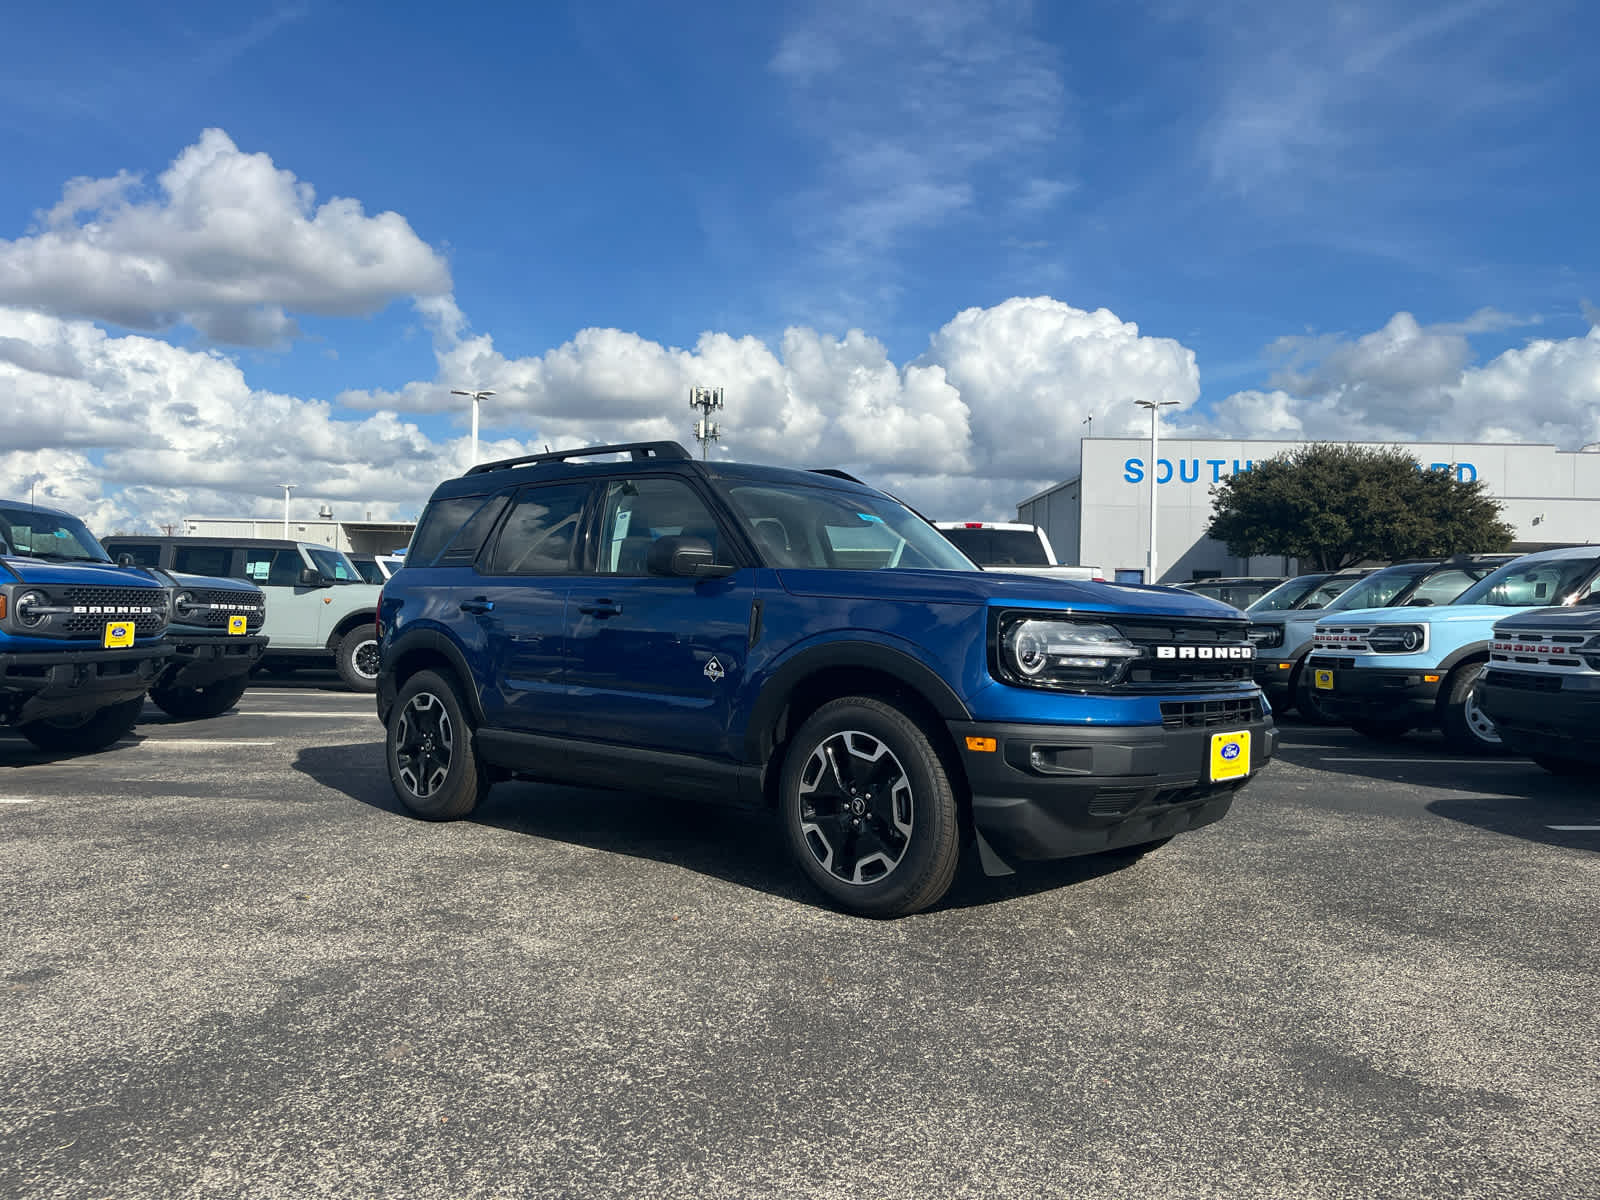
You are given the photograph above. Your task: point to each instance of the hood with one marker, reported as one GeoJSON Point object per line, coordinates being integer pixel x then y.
{"type": "Point", "coordinates": [1580, 618]}
{"type": "Point", "coordinates": [1436, 614]}
{"type": "Point", "coordinates": [75, 574]}
{"type": "Point", "coordinates": [1001, 588]}
{"type": "Point", "coordinates": [216, 583]}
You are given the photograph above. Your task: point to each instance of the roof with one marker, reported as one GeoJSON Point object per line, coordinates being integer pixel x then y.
{"type": "Point", "coordinates": [29, 506]}
{"type": "Point", "coordinates": [245, 543]}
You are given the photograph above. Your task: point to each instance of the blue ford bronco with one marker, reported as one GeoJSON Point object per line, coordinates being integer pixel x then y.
{"type": "Point", "coordinates": [628, 617]}
{"type": "Point", "coordinates": [81, 640]}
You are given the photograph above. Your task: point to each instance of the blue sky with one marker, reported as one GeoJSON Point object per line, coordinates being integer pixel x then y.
{"type": "Point", "coordinates": [920, 239]}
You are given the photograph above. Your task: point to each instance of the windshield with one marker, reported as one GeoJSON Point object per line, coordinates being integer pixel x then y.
{"type": "Point", "coordinates": [370, 570]}
{"type": "Point", "coordinates": [1329, 590]}
{"type": "Point", "coordinates": [25, 532]}
{"type": "Point", "coordinates": [1287, 594]}
{"type": "Point", "coordinates": [334, 565]}
{"type": "Point", "coordinates": [1379, 589]}
{"type": "Point", "coordinates": [1526, 584]}
{"type": "Point", "coordinates": [999, 547]}
{"type": "Point", "coordinates": [800, 526]}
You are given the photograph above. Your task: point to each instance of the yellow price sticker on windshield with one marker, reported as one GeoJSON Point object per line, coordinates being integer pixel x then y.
{"type": "Point", "coordinates": [236, 624]}
{"type": "Point", "coordinates": [118, 634]}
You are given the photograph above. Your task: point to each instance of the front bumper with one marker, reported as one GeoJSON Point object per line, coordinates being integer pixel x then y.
{"type": "Point", "coordinates": [37, 685]}
{"type": "Point", "coordinates": [1055, 791]}
{"type": "Point", "coordinates": [1539, 721]}
{"type": "Point", "coordinates": [1375, 693]}
{"type": "Point", "coordinates": [201, 659]}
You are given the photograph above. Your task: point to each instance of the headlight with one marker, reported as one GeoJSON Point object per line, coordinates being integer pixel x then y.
{"type": "Point", "coordinates": [183, 602]}
{"type": "Point", "coordinates": [1061, 653]}
{"type": "Point", "coordinates": [30, 608]}
{"type": "Point", "coordinates": [1398, 639]}
{"type": "Point", "coordinates": [1266, 636]}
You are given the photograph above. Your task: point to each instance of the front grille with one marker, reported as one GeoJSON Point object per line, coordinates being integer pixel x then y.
{"type": "Point", "coordinates": [94, 606]}
{"type": "Point", "coordinates": [213, 606]}
{"type": "Point", "coordinates": [1325, 663]}
{"type": "Point", "coordinates": [1522, 681]}
{"type": "Point", "coordinates": [1207, 714]}
{"type": "Point", "coordinates": [1179, 653]}
{"type": "Point", "coordinates": [1114, 801]}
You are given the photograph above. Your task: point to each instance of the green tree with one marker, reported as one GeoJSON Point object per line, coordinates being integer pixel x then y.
{"type": "Point", "coordinates": [1336, 505]}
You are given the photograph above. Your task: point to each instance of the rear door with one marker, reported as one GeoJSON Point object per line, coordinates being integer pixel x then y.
{"type": "Point", "coordinates": [653, 660]}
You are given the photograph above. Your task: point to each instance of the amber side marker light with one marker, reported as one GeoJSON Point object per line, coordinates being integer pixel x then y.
{"type": "Point", "coordinates": [2, 608]}
{"type": "Point", "coordinates": [1431, 678]}
{"type": "Point", "coordinates": [986, 745]}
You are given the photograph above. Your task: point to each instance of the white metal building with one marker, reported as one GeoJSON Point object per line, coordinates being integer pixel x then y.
{"type": "Point", "coordinates": [1550, 497]}
{"type": "Point", "coordinates": [358, 537]}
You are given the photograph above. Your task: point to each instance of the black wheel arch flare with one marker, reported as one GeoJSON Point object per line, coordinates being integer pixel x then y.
{"type": "Point", "coordinates": [417, 650]}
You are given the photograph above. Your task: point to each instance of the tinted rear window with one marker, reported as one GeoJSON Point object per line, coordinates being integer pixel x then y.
{"type": "Point", "coordinates": [999, 547]}
{"type": "Point", "coordinates": [438, 524]}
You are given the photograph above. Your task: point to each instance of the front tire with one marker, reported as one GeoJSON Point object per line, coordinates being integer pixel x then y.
{"type": "Point", "coordinates": [433, 765]}
{"type": "Point", "coordinates": [1465, 725]}
{"type": "Point", "coordinates": [357, 658]}
{"type": "Point", "coordinates": [81, 734]}
{"type": "Point", "coordinates": [1307, 702]}
{"type": "Point", "coordinates": [194, 704]}
{"type": "Point", "coordinates": [868, 808]}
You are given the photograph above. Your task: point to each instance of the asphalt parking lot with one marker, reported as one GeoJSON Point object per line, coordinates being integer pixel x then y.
{"type": "Point", "coordinates": [232, 968]}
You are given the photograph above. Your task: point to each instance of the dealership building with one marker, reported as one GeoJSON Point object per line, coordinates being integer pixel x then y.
{"type": "Point", "coordinates": [1549, 497]}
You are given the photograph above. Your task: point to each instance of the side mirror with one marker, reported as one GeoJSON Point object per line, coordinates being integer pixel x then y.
{"type": "Point", "coordinates": [310, 577]}
{"type": "Point", "coordinates": [124, 559]}
{"type": "Point", "coordinates": [686, 556]}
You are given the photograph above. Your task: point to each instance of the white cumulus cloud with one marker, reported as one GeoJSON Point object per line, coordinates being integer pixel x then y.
{"type": "Point", "coordinates": [226, 242]}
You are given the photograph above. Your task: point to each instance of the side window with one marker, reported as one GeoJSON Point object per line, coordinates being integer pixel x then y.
{"type": "Point", "coordinates": [463, 548]}
{"type": "Point", "coordinates": [203, 560]}
{"type": "Point", "coordinates": [540, 535]}
{"type": "Point", "coordinates": [638, 511]}
{"type": "Point", "coordinates": [438, 523]}
{"type": "Point", "coordinates": [273, 568]}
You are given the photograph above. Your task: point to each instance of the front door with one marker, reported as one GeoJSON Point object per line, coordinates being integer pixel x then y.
{"type": "Point", "coordinates": [656, 660]}
{"type": "Point", "coordinates": [295, 619]}
{"type": "Point", "coordinates": [515, 601]}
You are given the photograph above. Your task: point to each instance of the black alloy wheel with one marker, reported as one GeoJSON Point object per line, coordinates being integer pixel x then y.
{"type": "Point", "coordinates": [432, 764]}
{"type": "Point", "coordinates": [869, 809]}
{"type": "Point", "coordinates": [357, 658]}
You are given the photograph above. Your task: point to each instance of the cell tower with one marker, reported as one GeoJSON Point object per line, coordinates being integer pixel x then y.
{"type": "Point", "coordinates": [705, 401]}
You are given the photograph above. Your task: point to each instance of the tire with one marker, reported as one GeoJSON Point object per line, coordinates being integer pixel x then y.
{"type": "Point", "coordinates": [1306, 701]}
{"type": "Point", "coordinates": [869, 810]}
{"type": "Point", "coordinates": [1568, 767]}
{"type": "Point", "coordinates": [196, 704]}
{"type": "Point", "coordinates": [1467, 727]}
{"type": "Point", "coordinates": [433, 765]}
{"type": "Point", "coordinates": [357, 658]}
{"type": "Point", "coordinates": [1382, 731]}
{"type": "Point", "coordinates": [81, 734]}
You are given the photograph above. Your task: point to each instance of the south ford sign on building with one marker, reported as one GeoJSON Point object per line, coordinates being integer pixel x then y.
{"type": "Point", "coordinates": [1550, 497]}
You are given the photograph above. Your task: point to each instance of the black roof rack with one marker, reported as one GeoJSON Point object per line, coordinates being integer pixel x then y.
{"type": "Point", "coordinates": [640, 451]}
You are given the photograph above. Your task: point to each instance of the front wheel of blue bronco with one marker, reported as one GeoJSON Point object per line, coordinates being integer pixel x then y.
{"type": "Point", "coordinates": [432, 763]}
{"type": "Point", "coordinates": [869, 810]}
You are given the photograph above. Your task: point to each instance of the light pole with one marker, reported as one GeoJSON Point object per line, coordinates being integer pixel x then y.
{"type": "Point", "coordinates": [1155, 407]}
{"type": "Point", "coordinates": [287, 488]}
{"type": "Point", "coordinates": [476, 398]}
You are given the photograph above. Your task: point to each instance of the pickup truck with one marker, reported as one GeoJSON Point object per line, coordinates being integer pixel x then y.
{"type": "Point", "coordinates": [1011, 547]}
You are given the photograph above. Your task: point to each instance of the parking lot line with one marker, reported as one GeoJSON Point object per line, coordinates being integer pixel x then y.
{"type": "Point", "coordinates": [203, 743]}
{"type": "Point", "coordinates": [19, 800]}
{"type": "Point", "coordinates": [1575, 828]}
{"type": "Point", "coordinates": [1395, 760]}
{"type": "Point", "coordinates": [305, 712]}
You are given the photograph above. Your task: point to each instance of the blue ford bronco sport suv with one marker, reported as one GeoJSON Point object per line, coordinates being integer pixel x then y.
{"type": "Point", "coordinates": [81, 640]}
{"type": "Point", "coordinates": [798, 640]}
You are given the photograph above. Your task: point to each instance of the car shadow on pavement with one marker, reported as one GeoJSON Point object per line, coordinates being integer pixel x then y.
{"type": "Point", "coordinates": [18, 751]}
{"type": "Point", "coordinates": [737, 845]}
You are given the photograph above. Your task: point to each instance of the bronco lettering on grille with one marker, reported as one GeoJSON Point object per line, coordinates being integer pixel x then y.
{"type": "Point", "coordinates": [1210, 652]}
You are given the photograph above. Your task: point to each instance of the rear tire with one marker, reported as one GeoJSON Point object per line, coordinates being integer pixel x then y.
{"type": "Point", "coordinates": [1467, 727]}
{"type": "Point", "coordinates": [433, 764]}
{"type": "Point", "coordinates": [195, 704]}
{"type": "Point", "coordinates": [357, 658]}
{"type": "Point", "coordinates": [79, 735]}
{"type": "Point", "coordinates": [869, 810]}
